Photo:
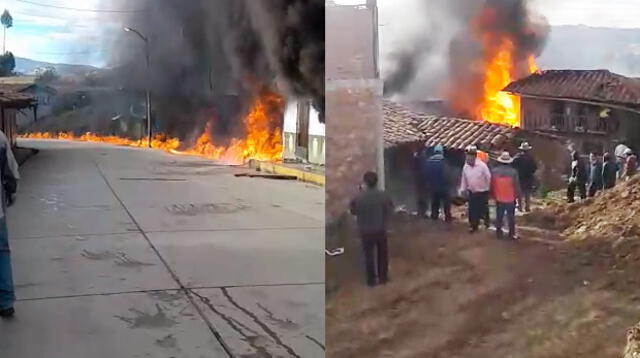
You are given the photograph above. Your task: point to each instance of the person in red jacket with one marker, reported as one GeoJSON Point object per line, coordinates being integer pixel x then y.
{"type": "Point", "coordinates": [505, 190]}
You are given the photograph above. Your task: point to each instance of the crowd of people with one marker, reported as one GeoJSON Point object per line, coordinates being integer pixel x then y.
{"type": "Point", "coordinates": [510, 183]}
{"type": "Point", "coordinates": [601, 172]}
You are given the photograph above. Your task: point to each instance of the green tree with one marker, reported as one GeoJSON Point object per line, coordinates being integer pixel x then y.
{"type": "Point", "coordinates": [46, 74]}
{"type": "Point", "coordinates": [7, 22]}
{"type": "Point", "coordinates": [7, 64]}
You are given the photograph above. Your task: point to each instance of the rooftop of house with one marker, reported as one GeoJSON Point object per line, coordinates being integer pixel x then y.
{"type": "Point", "coordinates": [600, 86]}
{"type": "Point", "coordinates": [16, 100]}
{"type": "Point", "coordinates": [18, 80]}
{"type": "Point", "coordinates": [402, 125]}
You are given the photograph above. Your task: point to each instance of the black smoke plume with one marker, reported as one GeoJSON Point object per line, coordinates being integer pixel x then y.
{"type": "Point", "coordinates": [473, 29]}
{"type": "Point", "coordinates": [210, 57]}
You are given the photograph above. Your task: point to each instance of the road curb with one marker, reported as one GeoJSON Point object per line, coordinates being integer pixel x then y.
{"type": "Point", "coordinates": [273, 168]}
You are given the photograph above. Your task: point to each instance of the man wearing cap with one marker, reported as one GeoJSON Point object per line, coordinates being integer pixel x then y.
{"type": "Point", "coordinates": [621, 151]}
{"type": "Point", "coordinates": [438, 179]}
{"type": "Point", "coordinates": [526, 167]}
{"type": "Point", "coordinates": [505, 189]}
{"type": "Point", "coordinates": [475, 183]}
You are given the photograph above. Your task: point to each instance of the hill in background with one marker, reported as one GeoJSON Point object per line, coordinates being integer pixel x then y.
{"type": "Point", "coordinates": [27, 66]}
{"type": "Point", "coordinates": [583, 47]}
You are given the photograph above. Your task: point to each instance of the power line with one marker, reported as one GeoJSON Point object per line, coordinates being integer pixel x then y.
{"type": "Point", "coordinates": [78, 9]}
{"type": "Point", "coordinates": [70, 53]}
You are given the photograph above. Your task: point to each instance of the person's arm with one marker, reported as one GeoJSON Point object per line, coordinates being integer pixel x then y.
{"type": "Point", "coordinates": [463, 182]}
{"type": "Point", "coordinates": [10, 172]}
{"type": "Point", "coordinates": [487, 174]}
{"type": "Point", "coordinates": [353, 207]}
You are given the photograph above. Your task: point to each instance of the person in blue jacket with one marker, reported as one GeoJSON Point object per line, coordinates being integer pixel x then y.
{"type": "Point", "coordinates": [437, 174]}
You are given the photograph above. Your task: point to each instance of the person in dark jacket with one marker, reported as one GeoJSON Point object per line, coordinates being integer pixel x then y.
{"type": "Point", "coordinates": [596, 181]}
{"type": "Point", "coordinates": [578, 178]}
{"type": "Point", "coordinates": [609, 171]}
{"type": "Point", "coordinates": [372, 208]}
{"type": "Point", "coordinates": [526, 167]}
{"type": "Point", "coordinates": [437, 176]}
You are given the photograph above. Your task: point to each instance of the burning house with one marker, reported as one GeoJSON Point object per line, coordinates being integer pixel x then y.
{"type": "Point", "coordinates": [219, 76]}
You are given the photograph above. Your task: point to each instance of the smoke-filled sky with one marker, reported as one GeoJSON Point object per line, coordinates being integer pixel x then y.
{"type": "Point", "coordinates": [618, 13]}
{"type": "Point", "coordinates": [416, 36]}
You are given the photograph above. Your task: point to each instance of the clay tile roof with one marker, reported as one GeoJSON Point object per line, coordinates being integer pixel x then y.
{"type": "Point", "coordinates": [403, 125]}
{"type": "Point", "coordinates": [398, 125]}
{"type": "Point", "coordinates": [592, 85]}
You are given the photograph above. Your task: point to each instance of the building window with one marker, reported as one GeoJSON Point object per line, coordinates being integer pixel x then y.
{"type": "Point", "coordinates": [557, 116]}
{"type": "Point", "coordinates": [582, 124]}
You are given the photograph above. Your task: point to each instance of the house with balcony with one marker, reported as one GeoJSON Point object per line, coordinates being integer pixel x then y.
{"type": "Point", "coordinates": [592, 110]}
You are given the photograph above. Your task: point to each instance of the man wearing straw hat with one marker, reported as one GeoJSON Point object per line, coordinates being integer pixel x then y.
{"type": "Point", "coordinates": [505, 189]}
{"type": "Point", "coordinates": [526, 167]}
{"type": "Point", "coordinates": [475, 185]}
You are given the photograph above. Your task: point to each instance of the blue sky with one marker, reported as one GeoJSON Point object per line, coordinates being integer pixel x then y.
{"type": "Point", "coordinates": [61, 36]}
{"type": "Point", "coordinates": [66, 36]}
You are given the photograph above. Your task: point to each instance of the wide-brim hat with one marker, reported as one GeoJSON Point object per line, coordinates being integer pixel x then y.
{"type": "Point", "coordinates": [525, 146]}
{"type": "Point", "coordinates": [505, 158]}
{"type": "Point", "coordinates": [471, 149]}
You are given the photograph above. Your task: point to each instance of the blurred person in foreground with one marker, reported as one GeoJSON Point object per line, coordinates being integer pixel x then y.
{"type": "Point", "coordinates": [505, 189]}
{"type": "Point", "coordinates": [372, 208]}
{"type": "Point", "coordinates": [10, 176]}
{"type": "Point", "coordinates": [475, 185]}
{"type": "Point", "coordinates": [526, 167]}
{"type": "Point", "coordinates": [437, 174]}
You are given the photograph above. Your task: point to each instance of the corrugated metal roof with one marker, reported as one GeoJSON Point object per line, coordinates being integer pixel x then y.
{"type": "Point", "coordinates": [591, 85]}
{"type": "Point", "coordinates": [403, 125]}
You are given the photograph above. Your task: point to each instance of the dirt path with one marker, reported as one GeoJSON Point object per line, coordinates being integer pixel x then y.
{"type": "Point", "coordinates": [458, 295]}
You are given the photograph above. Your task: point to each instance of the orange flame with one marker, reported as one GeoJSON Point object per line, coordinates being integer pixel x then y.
{"type": "Point", "coordinates": [497, 106]}
{"type": "Point", "coordinates": [261, 142]}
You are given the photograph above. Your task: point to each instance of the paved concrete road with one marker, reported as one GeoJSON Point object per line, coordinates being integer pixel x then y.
{"type": "Point", "coordinates": [124, 252]}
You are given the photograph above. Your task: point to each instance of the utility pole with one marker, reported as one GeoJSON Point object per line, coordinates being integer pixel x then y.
{"type": "Point", "coordinates": [146, 54]}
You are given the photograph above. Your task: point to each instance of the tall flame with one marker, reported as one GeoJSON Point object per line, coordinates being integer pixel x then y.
{"type": "Point", "coordinates": [497, 106]}
{"type": "Point", "coordinates": [502, 63]}
{"type": "Point", "coordinates": [262, 140]}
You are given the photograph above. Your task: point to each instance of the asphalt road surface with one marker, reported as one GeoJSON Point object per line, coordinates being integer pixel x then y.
{"type": "Point", "coordinates": [126, 252]}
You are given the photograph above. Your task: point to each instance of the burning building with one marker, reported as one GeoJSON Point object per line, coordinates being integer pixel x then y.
{"type": "Point", "coordinates": [219, 72]}
{"type": "Point", "coordinates": [504, 39]}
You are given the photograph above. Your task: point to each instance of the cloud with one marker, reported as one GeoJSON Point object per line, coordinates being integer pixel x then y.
{"type": "Point", "coordinates": [47, 34]}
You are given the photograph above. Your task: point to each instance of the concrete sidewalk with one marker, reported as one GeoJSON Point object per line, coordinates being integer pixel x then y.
{"type": "Point", "coordinates": [124, 252]}
{"type": "Point", "coordinates": [313, 175]}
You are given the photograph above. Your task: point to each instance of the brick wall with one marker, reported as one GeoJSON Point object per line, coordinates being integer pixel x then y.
{"type": "Point", "coordinates": [354, 124]}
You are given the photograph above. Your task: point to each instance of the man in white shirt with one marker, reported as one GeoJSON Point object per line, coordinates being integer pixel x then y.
{"type": "Point", "coordinates": [9, 175]}
{"type": "Point", "coordinates": [475, 184]}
